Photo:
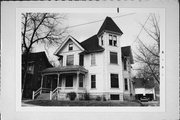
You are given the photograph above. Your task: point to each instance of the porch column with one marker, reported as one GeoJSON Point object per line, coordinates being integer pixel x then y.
{"type": "Point", "coordinates": [77, 83]}
{"type": "Point", "coordinates": [58, 80]}
{"type": "Point", "coordinates": [42, 76]}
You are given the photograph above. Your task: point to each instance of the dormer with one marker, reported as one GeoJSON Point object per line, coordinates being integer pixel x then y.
{"type": "Point", "coordinates": [110, 32]}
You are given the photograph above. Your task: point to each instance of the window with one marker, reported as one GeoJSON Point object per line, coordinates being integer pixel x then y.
{"type": "Point", "coordinates": [125, 66]}
{"type": "Point", "coordinates": [93, 59]}
{"type": "Point", "coordinates": [69, 81]}
{"type": "Point", "coordinates": [70, 60]}
{"type": "Point", "coordinates": [80, 81]}
{"type": "Point", "coordinates": [81, 60]}
{"type": "Point", "coordinates": [30, 68]}
{"type": "Point", "coordinates": [93, 81]}
{"type": "Point", "coordinates": [102, 40]}
{"type": "Point", "coordinates": [112, 40]}
{"type": "Point", "coordinates": [70, 46]}
{"type": "Point", "coordinates": [115, 40]}
{"type": "Point", "coordinates": [114, 97]}
{"type": "Point", "coordinates": [114, 81]}
{"type": "Point", "coordinates": [113, 58]}
{"type": "Point", "coordinates": [126, 84]}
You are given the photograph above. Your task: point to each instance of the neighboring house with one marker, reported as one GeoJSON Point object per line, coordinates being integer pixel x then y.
{"type": "Point", "coordinates": [36, 63]}
{"type": "Point", "coordinates": [98, 66]}
{"type": "Point", "coordinates": [144, 87]}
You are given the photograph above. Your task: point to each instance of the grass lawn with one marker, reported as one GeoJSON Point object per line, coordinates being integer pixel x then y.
{"type": "Point", "coordinates": [80, 103]}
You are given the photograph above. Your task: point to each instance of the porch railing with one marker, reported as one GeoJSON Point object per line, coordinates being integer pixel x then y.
{"type": "Point", "coordinates": [35, 93]}
{"type": "Point", "coordinates": [39, 91]}
{"type": "Point", "coordinates": [53, 94]}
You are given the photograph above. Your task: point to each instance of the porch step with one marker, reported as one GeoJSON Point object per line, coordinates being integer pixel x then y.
{"type": "Point", "coordinates": [43, 96]}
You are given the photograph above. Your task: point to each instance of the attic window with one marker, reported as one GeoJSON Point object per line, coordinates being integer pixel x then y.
{"type": "Point", "coordinates": [112, 40]}
{"type": "Point", "coordinates": [70, 46]}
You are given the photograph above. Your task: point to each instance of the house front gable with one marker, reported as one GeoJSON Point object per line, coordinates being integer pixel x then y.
{"type": "Point", "coordinates": [69, 45]}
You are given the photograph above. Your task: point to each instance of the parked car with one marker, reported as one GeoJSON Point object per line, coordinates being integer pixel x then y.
{"type": "Point", "coordinates": [144, 99]}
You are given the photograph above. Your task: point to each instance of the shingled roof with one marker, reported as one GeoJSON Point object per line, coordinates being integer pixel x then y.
{"type": "Point", "coordinates": [37, 56]}
{"type": "Point", "coordinates": [72, 68]}
{"type": "Point", "coordinates": [92, 45]}
{"type": "Point", "coordinates": [109, 25]}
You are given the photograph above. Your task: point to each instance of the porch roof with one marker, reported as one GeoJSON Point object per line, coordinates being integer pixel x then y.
{"type": "Point", "coordinates": [65, 69]}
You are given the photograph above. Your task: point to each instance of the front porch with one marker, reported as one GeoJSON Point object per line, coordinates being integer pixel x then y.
{"type": "Point", "coordinates": [62, 80]}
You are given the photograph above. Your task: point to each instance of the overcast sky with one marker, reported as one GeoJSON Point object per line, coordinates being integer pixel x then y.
{"type": "Point", "coordinates": [128, 21]}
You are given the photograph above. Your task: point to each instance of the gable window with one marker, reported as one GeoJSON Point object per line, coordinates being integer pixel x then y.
{"type": "Point", "coordinates": [93, 59]}
{"type": "Point", "coordinates": [70, 46]}
{"type": "Point", "coordinates": [114, 81]}
{"type": "Point", "coordinates": [70, 60]}
{"type": "Point", "coordinates": [113, 58]}
{"type": "Point", "coordinates": [102, 40]}
{"type": "Point", "coordinates": [125, 84]}
{"type": "Point", "coordinates": [93, 81]}
{"type": "Point", "coordinates": [80, 81]}
{"type": "Point", "coordinates": [112, 40]}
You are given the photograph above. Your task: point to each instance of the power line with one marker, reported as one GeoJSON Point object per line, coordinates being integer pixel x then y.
{"type": "Point", "coordinates": [98, 21]}
{"type": "Point", "coordinates": [141, 30]}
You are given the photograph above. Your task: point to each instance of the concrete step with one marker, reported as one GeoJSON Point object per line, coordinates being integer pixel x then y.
{"type": "Point", "coordinates": [43, 96]}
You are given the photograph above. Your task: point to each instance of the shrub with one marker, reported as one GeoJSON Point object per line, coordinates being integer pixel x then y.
{"type": "Point", "coordinates": [86, 96]}
{"type": "Point", "coordinates": [98, 98]}
{"type": "Point", "coordinates": [71, 95]}
{"type": "Point", "coordinates": [104, 98]}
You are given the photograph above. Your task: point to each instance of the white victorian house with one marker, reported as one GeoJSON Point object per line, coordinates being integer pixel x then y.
{"type": "Point", "coordinates": [98, 66]}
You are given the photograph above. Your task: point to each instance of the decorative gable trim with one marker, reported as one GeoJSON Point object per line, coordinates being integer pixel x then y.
{"type": "Point", "coordinates": [66, 40]}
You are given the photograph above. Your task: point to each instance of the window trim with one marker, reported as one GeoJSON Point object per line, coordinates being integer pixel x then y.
{"type": "Point", "coordinates": [93, 81]}
{"type": "Point", "coordinates": [116, 57]}
{"type": "Point", "coordinates": [30, 68]}
{"type": "Point", "coordinates": [70, 81]}
{"type": "Point", "coordinates": [111, 96]}
{"type": "Point", "coordinates": [81, 81]}
{"type": "Point", "coordinates": [126, 84]}
{"type": "Point", "coordinates": [112, 87]}
{"type": "Point", "coordinates": [125, 64]}
{"type": "Point", "coordinates": [93, 63]}
{"type": "Point", "coordinates": [67, 60]}
{"type": "Point", "coordinates": [102, 41]}
{"type": "Point", "coordinates": [112, 40]}
{"type": "Point", "coordinates": [70, 46]}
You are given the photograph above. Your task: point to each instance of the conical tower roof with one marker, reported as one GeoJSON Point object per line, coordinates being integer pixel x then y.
{"type": "Point", "coordinates": [109, 25]}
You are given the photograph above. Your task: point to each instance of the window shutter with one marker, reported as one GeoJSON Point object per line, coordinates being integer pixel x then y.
{"type": "Point", "coordinates": [93, 59]}
{"type": "Point", "coordinates": [93, 81]}
{"type": "Point", "coordinates": [126, 84]}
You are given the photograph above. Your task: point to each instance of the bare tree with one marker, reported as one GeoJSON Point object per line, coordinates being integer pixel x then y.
{"type": "Point", "coordinates": [148, 54]}
{"type": "Point", "coordinates": [40, 28]}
